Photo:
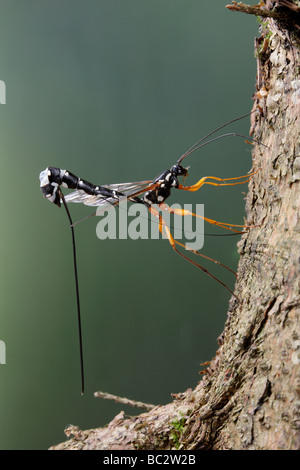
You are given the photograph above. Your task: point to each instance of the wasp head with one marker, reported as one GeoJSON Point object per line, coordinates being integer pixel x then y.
{"type": "Point", "coordinates": [178, 170]}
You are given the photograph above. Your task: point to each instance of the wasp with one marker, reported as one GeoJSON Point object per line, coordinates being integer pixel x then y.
{"type": "Point", "coordinates": [151, 193]}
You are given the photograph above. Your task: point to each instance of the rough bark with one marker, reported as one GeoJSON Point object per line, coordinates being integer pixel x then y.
{"type": "Point", "coordinates": [249, 396]}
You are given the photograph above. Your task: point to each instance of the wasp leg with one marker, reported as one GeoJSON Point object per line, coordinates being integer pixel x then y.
{"type": "Point", "coordinates": [206, 257]}
{"type": "Point", "coordinates": [224, 225]}
{"type": "Point", "coordinates": [165, 231]}
{"type": "Point", "coordinates": [203, 181]}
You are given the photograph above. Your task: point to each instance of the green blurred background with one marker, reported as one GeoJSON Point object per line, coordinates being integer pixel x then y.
{"type": "Point", "coordinates": [114, 91]}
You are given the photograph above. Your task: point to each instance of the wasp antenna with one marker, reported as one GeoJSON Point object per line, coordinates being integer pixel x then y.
{"type": "Point", "coordinates": [196, 146]}
{"type": "Point", "coordinates": [222, 136]}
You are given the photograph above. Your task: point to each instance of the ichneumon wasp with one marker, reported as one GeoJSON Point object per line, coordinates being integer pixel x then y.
{"type": "Point", "coordinates": [151, 193]}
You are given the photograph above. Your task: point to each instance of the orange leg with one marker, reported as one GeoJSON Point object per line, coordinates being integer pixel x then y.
{"type": "Point", "coordinates": [203, 181]}
{"type": "Point", "coordinates": [206, 257]}
{"type": "Point", "coordinates": [164, 229]}
{"type": "Point", "coordinates": [184, 212]}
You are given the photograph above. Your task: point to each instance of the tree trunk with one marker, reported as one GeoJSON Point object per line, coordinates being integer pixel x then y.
{"type": "Point", "coordinates": [248, 397]}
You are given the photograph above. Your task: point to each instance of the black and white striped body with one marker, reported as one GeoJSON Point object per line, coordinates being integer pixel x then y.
{"type": "Point", "coordinates": [167, 180]}
{"type": "Point", "coordinates": [52, 178]}
{"type": "Point", "coordinates": [87, 193]}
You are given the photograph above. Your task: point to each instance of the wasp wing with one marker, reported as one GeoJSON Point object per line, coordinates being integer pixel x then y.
{"type": "Point", "coordinates": [137, 186]}
{"type": "Point", "coordinates": [125, 190]}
